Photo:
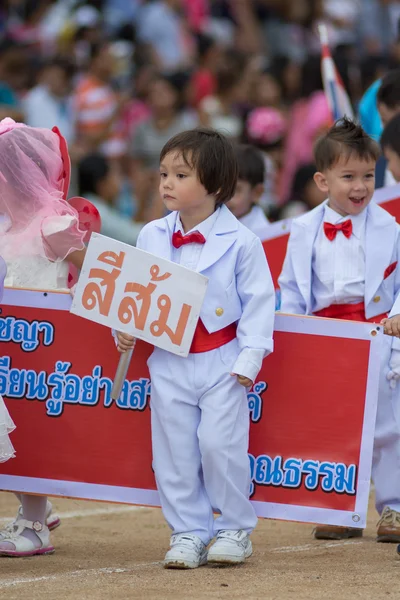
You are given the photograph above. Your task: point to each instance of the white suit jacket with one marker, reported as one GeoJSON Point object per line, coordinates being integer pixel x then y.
{"type": "Point", "coordinates": [240, 287]}
{"type": "Point", "coordinates": [382, 274]}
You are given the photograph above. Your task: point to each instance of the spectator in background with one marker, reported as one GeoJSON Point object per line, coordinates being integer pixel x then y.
{"type": "Point", "coordinates": [378, 25]}
{"type": "Point", "coordinates": [305, 194]}
{"type": "Point", "coordinates": [13, 75]}
{"type": "Point", "coordinates": [249, 190]}
{"type": "Point", "coordinates": [98, 108]}
{"type": "Point", "coordinates": [390, 142]}
{"type": "Point", "coordinates": [204, 79]}
{"type": "Point", "coordinates": [220, 110]}
{"type": "Point", "coordinates": [49, 103]}
{"type": "Point", "coordinates": [310, 116]}
{"type": "Point", "coordinates": [388, 98]}
{"type": "Point", "coordinates": [137, 109]}
{"type": "Point", "coordinates": [266, 129]}
{"type": "Point", "coordinates": [99, 182]}
{"type": "Point", "coordinates": [161, 24]}
{"type": "Point", "coordinates": [168, 117]}
{"type": "Point", "coordinates": [268, 89]}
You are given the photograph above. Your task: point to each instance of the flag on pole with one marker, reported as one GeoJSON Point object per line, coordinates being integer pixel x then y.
{"type": "Point", "coordinates": [338, 99]}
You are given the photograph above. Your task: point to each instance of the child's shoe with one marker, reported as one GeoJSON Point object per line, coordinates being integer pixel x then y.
{"type": "Point", "coordinates": [24, 546]}
{"type": "Point", "coordinates": [52, 521]}
{"type": "Point", "coordinates": [186, 552]}
{"type": "Point", "coordinates": [389, 526]}
{"type": "Point", "coordinates": [335, 532]}
{"type": "Point", "coordinates": [230, 548]}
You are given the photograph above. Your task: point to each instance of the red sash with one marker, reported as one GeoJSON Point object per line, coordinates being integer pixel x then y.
{"type": "Point", "coordinates": [204, 341]}
{"type": "Point", "coordinates": [349, 312]}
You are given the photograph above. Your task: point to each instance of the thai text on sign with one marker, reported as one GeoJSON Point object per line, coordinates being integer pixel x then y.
{"type": "Point", "coordinates": [138, 293]}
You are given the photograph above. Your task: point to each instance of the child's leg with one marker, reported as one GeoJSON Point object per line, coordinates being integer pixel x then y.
{"type": "Point", "coordinates": [175, 418]}
{"type": "Point", "coordinates": [224, 440]}
{"type": "Point", "coordinates": [386, 456]}
{"type": "Point", "coordinates": [52, 520]}
{"type": "Point", "coordinates": [30, 534]}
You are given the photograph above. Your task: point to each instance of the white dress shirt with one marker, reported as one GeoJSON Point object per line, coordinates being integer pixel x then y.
{"type": "Point", "coordinates": [188, 255]}
{"type": "Point", "coordinates": [338, 266]}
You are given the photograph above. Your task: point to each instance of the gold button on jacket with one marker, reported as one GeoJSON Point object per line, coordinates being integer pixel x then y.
{"type": "Point", "coordinates": [219, 312]}
{"type": "Point", "coordinates": [377, 298]}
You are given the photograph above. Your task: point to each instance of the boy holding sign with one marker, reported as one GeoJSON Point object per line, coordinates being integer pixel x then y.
{"type": "Point", "coordinates": [342, 263]}
{"type": "Point", "coordinates": [200, 416]}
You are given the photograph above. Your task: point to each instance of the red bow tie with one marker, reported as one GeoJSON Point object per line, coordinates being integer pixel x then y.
{"type": "Point", "coordinates": [331, 230]}
{"type": "Point", "coordinates": [195, 237]}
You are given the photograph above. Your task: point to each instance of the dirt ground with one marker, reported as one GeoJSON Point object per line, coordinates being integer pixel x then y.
{"type": "Point", "coordinates": [108, 551]}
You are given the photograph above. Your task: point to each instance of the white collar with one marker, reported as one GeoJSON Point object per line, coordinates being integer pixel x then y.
{"type": "Point", "coordinates": [358, 221]}
{"type": "Point", "coordinates": [256, 211]}
{"type": "Point", "coordinates": [204, 227]}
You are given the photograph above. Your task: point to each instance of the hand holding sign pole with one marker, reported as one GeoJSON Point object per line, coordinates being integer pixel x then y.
{"type": "Point", "coordinates": [120, 374]}
{"type": "Point", "coordinates": [135, 292]}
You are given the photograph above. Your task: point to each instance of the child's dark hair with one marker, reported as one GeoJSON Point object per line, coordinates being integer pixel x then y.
{"type": "Point", "coordinates": [213, 157]}
{"type": "Point", "coordinates": [251, 164]}
{"type": "Point", "coordinates": [389, 90]}
{"type": "Point", "coordinates": [91, 170]}
{"type": "Point", "coordinates": [302, 178]}
{"type": "Point", "coordinates": [344, 139]}
{"type": "Point", "coordinates": [391, 135]}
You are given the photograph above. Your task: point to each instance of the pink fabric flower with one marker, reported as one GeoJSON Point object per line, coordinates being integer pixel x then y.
{"type": "Point", "coordinates": [266, 125]}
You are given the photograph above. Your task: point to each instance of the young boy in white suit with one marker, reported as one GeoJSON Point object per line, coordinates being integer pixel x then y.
{"type": "Point", "coordinates": [249, 188]}
{"type": "Point", "coordinates": [342, 262]}
{"type": "Point", "coordinates": [199, 410]}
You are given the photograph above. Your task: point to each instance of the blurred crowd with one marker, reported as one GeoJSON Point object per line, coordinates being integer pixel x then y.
{"type": "Point", "coordinates": [120, 77]}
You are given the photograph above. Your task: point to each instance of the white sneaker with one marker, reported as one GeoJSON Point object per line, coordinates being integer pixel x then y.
{"type": "Point", "coordinates": [230, 548]}
{"type": "Point", "coordinates": [186, 552]}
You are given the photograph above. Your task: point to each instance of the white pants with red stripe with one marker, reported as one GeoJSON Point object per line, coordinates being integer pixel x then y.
{"type": "Point", "coordinates": [386, 455]}
{"type": "Point", "coordinates": [200, 436]}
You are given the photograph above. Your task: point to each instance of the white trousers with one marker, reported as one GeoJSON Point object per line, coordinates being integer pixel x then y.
{"type": "Point", "coordinates": [200, 437]}
{"type": "Point", "coordinates": [386, 455]}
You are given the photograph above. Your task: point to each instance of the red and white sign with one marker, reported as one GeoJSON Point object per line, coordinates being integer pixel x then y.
{"type": "Point", "coordinates": [310, 448]}
{"type": "Point", "coordinates": [138, 293]}
{"type": "Point", "coordinates": [275, 243]}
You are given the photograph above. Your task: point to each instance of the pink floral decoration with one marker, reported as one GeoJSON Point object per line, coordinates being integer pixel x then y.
{"type": "Point", "coordinates": [266, 125]}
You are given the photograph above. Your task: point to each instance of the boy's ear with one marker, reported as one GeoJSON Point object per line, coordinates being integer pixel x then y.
{"type": "Point", "coordinates": [321, 182]}
{"type": "Point", "coordinates": [257, 192]}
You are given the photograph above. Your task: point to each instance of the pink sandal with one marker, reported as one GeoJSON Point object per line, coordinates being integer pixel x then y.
{"type": "Point", "coordinates": [23, 546]}
{"type": "Point", "coordinates": [52, 521]}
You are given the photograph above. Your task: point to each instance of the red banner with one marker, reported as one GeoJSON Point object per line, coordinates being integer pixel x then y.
{"type": "Point", "coordinates": [310, 450]}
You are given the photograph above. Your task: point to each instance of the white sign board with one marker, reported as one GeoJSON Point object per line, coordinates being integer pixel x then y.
{"type": "Point", "coordinates": [135, 292]}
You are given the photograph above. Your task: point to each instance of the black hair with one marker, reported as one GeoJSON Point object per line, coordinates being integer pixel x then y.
{"type": "Point", "coordinates": [389, 90]}
{"type": "Point", "coordinates": [91, 170]}
{"type": "Point", "coordinates": [211, 155]}
{"type": "Point", "coordinates": [251, 164]}
{"type": "Point", "coordinates": [204, 44]}
{"type": "Point", "coordinates": [391, 135]}
{"type": "Point", "coordinates": [303, 176]}
{"type": "Point", "coordinates": [344, 138]}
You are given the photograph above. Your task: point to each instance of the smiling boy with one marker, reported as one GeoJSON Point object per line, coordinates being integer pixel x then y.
{"type": "Point", "coordinates": [342, 262]}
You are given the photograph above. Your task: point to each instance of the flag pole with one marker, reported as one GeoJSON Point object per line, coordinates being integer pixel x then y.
{"type": "Point", "coordinates": [323, 34]}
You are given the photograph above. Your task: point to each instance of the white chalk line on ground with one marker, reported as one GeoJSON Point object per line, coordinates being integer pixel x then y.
{"type": "Point", "coordinates": [306, 547]}
{"type": "Point", "coordinates": [114, 570]}
{"type": "Point", "coordinates": [90, 512]}
{"type": "Point", "coordinates": [105, 571]}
